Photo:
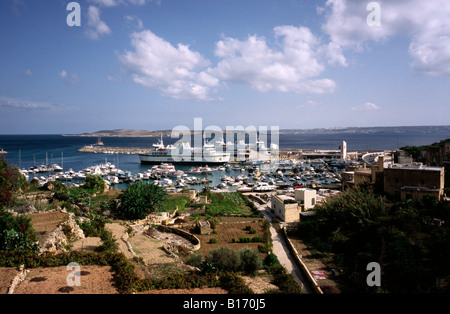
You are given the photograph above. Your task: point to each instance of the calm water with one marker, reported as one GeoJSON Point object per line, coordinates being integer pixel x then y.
{"type": "Point", "coordinates": [30, 150]}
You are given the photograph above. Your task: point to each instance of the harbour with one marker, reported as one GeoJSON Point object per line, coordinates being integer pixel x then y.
{"type": "Point", "coordinates": [37, 155]}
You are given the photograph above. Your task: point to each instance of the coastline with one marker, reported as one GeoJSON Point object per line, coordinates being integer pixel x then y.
{"type": "Point", "coordinates": [338, 130]}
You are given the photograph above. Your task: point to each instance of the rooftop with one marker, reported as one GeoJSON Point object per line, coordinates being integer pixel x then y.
{"type": "Point", "coordinates": [422, 188]}
{"type": "Point", "coordinates": [415, 167]}
{"type": "Point", "coordinates": [285, 197]}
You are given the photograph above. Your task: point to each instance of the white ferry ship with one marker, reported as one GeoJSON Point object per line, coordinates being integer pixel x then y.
{"type": "Point", "coordinates": [183, 153]}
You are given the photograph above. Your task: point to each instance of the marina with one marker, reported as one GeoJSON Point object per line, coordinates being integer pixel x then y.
{"type": "Point", "coordinates": [214, 166]}
{"type": "Point", "coordinates": [306, 161]}
{"type": "Point", "coordinates": [229, 177]}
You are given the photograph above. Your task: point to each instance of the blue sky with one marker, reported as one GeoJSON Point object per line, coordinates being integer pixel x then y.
{"type": "Point", "coordinates": [157, 64]}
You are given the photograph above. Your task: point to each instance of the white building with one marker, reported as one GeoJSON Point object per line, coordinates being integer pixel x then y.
{"type": "Point", "coordinates": [343, 148]}
{"type": "Point", "coordinates": [307, 198]}
{"type": "Point", "coordinates": [286, 208]}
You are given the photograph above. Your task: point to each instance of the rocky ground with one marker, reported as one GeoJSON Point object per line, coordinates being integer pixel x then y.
{"type": "Point", "coordinates": [59, 232]}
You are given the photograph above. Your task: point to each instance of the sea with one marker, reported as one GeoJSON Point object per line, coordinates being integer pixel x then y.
{"type": "Point", "coordinates": [25, 151]}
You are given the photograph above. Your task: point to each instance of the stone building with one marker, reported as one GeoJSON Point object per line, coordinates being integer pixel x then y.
{"type": "Point", "coordinates": [413, 182]}
{"type": "Point", "coordinates": [288, 208]}
{"type": "Point", "coordinates": [285, 208]}
{"type": "Point", "coordinates": [438, 155]}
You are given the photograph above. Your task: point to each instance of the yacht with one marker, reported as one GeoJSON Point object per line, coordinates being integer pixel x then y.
{"type": "Point", "coordinates": [264, 187]}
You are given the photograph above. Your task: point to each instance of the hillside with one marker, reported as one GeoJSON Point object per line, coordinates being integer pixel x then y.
{"type": "Point", "coordinates": [343, 130]}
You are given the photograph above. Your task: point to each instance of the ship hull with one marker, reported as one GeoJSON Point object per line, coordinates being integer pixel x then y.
{"type": "Point", "coordinates": [152, 160]}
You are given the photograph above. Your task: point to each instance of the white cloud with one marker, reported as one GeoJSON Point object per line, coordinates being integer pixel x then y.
{"type": "Point", "coordinates": [366, 107]}
{"type": "Point", "coordinates": [106, 3]}
{"type": "Point", "coordinates": [295, 67]}
{"type": "Point", "coordinates": [116, 79]}
{"type": "Point", "coordinates": [27, 73]}
{"type": "Point", "coordinates": [113, 3]}
{"type": "Point", "coordinates": [309, 104]}
{"type": "Point", "coordinates": [62, 74]}
{"type": "Point", "coordinates": [426, 23]}
{"type": "Point", "coordinates": [177, 72]}
{"type": "Point", "coordinates": [96, 27]}
{"type": "Point", "coordinates": [29, 105]}
{"type": "Point", "coordinates": [69, 78]}
{"type": "Point", "coordinates": [136, 2]}
{"type": "Point", "coordinates": [134, 21]}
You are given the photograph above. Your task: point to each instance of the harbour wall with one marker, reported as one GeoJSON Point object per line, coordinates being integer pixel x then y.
{"type": "Point", "coordinates": [114, 150]}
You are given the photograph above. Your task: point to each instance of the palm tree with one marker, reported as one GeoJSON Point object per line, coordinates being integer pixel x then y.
{"type": "Point", "coordinates": [140, 199]}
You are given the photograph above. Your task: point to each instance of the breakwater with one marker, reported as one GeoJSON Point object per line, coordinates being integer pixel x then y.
{"type": "Point", "coordinates": [113, 150]}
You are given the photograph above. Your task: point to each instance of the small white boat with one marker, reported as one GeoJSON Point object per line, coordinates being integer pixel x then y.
{"type": "Point", "coordinates": [65, 177]}
{"type": "Point", "coordinates": [79, 175]}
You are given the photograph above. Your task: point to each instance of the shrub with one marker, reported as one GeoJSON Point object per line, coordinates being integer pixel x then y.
{"type": "Point", "coordinates": [271, 260]}
{"type": "Point", "coordinates": [284, 280]}
{"type": "Point", "coordinates": [195, 260]}
{"type": "Point", "coordinates": [234, 284]}
{"type": "Point", "coordinates": [74, 196]}
{"type": "Point", "coordinates": [11, 181]}
{"type": "Point", "coordinates": [257, 239]}
{"type": "Point", "coordinates": [224, 259]}
{"type": "Point", "coordinates": [109, 242]}
{"type": "Point", "coordinates": [54, 186]}
{"type": "Point", "coordinates": [262, 249]}
{"type": "Point", "coordinates": [94, 182]}
{"type": "Point", "coordinates": [244, 240]}
{"type": "Point", "coordinates": [17, 233]}
{"type": "Point", "coordinates": [213, 240]}
{"type": "Point", "coordinates": [250, 261]}
{"type": "Point", "coordinates": [140, 199]}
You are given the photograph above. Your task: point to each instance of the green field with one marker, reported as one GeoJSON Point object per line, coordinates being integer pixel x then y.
{"type": "Point", "coordinates": [230, 203]}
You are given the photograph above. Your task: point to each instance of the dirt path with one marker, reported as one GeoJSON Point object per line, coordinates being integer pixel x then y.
{"type": "Point", "coordinates": [281, 250]}
{"type": "Point", "coordinates": [118, 231]}
{"type": "Point", "coordinates": [87, 244]}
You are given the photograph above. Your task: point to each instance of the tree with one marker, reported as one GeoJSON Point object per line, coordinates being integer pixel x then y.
{"type": "Point", "coordinates": [224, 259]}
{"type": "Point", "coordinates": [250, 261]}
{"type": "Point", "coordinates": [17, 233]}
{"type": "Point", "coordinates": [271, 260]}
{"type": "Point", "coordinates": [94, 182]}
{"type": "Point", "coordinates": [11, 181]}
{"type": "Point", "coordinates": [140, 199]}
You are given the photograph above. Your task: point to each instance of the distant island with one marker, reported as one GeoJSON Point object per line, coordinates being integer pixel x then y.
{"type": "Point", "coordinates": [123, 133]}
{"type": "Point", "coordinates": [343, 130]}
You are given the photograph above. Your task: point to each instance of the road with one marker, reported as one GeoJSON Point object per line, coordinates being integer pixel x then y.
{"type": "Point", "coordinates": [281, 250]}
